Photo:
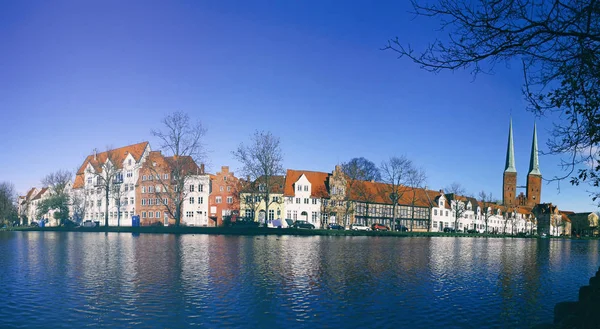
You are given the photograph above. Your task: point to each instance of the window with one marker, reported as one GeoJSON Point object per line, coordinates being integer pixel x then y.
{"type": "Point", "coordinates": [143, 189]}
{"type": "Point", "coordinates": [305, 188]}
{"type": "Point", "coordinates": [221, 188]}
{"type": "Point", "coordinates": [299, 187]}
{"type": "Point", "coordinates": [150, 189]}
{"type": "Point", "coordinates": [144, 177]}
{"type": "Point", "coordinates": [166, 176]}
{"type": "Point", "coordinates": [143, 202]}
{"type": "Point", "coordinates": [100, 203]}
{"type": "Point", "coordinates": [131, 200]}
{"type": "Point", "coordinates": [435, 213]}
{"type": "Point", "coordinates": [297, 200]}
{"type": "Point", "coordinates": [126, 187]}
{"type": "Point", "coordinates": [325, 202]}
{"type": "Point", "coordinates": [228, 188]}
{"type": "Point", "coordinates": [249, 213]}
{"type": "Point", "coordinates": [158, 188]}
{"type": "Point", "coordinates": [129, 162]}
{"type": "Point", "coordinates": [229, 199]}
{"type": "Point", "coordinates": [314, 201]}
{"type": "Point", "coordinates": [191, 200]}
{"type": "Point", "coordinates": [143, 214]}
{"type": "Point", "coordinates": [191, 188]}
{"type": "Point", "coordinates": [305, 200]}
{"type": "Point", "coordinates": [201, 188]}
{"type": "Point", "coordinates": [446, 213]}
{"type": "Point", "coordinates": [165, 201]}
{"type": "Point", "coordinates": [224, 178]}
{"type": "Point", "coordinates": [275, 199]}
{"type": "Point", "coordinates": [295, 215]}
{"type": "Point", "coordinates": [131, 186]}
{"type": "Point", "coordinates": [218, 199]}
{"type": "Point", "coordinates": [89, 180]}
{"type": "Point", "coordinates": [150, 177]}
{"type": "Point", "coordinates": [150, 214]}
{"type": "Point", "coordinates": [201, 200]}
{"type": "Point", "coordinates": [289, 214]}
{"type": "Point", "coordinates": [271, 214]}
{"type": "Point", "coordinates": [434, 224]}
{"type": "Point", "coordinates": [157, 214]}
{"type": "Point", "coordinates": [262, 188]}
{"type": "Point", "coordinates": [126, 214]}
{"type": "Point", "coordinates": [150, 202]}
{"type": "Point", "coordinates": [314, 216]}
{"type": "Point", "coordinates": [129, 173]}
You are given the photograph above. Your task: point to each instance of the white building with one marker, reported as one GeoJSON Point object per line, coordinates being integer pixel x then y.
{"type": "Point", "coordinates": [304, 194]}
{"type": "Point", "coordinates": [195, 207]}
{"type": "Point", "coordinates": [124, 163]}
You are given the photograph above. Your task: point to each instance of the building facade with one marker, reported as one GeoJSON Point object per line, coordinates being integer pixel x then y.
{"type": "Point", "coordinates": [223, 202]}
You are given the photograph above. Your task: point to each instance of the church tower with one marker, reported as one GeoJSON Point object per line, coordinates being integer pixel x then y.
{"type": "Point", "coordinates": [509, 183]}
{"type": "Point", "coordinates": [534, 177]}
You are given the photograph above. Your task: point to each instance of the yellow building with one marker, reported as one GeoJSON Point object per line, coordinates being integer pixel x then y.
{"type": "Point", "coordinates": [255, 198]}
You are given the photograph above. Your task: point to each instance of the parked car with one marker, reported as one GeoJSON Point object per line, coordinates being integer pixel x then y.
{"type": "Point", "coordinates": [334, 226]}
{"type": "Point", "coordinates": [244, 222]}
{"type": "Point", "coordinates": [379, 227]}
{"type": "Point", "coordinates": [449, 230]}
{"type": "Point", "coordinates": [359, 227]}
{"type": "Point", "coordinates": [34, 224]}
{"type": "Point", "coordinates": [401, 228]}
{"type": "Point", "coordinates": [471, 231]}
{"type": "Point", "coordinates": [303, 224]}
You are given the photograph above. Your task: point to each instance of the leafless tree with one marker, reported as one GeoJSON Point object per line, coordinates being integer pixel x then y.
{"type": "Point", "coordinates": [487, 200]}
{"type": "Point", "coordinates": [183, 142]}
{"type": "Point", "coordinates": [249, 197]}
{"type": "Point", "coordinates": [58, 181]}
{"type": "Point", "coordinates": [261, 159]}
{"type": "Point", "coordinates": [105, 175]}
{"type": "Point", "coordinates": [359, 173]}
{"type": "Point", "coordinates": [558, 45]}
{"type": "Point", "coordinates": [395, 174]}
{"type": "Point", "coordinates": [79, 202]}
{"type": "Point", "coordinates": [454, 192]}
{"type": "Point", "coordinates": [416, 180]}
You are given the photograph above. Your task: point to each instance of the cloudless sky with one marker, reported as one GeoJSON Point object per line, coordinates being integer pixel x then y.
{"type": "Point", "coordinates": [79, 75]}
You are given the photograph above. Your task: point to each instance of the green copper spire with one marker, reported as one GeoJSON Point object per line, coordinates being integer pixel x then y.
{"type": "Point", "coordinates": [534, 164]}
{"type": "Point", "coordinates": [510, 152]}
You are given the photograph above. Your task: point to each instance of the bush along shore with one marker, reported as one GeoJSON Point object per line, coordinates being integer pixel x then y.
{"type": "Point", "coordinates": [254, 231]}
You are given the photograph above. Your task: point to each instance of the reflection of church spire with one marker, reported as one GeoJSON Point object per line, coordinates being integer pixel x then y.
{"type": "Point", "coordinates": [510, 151]}
{"type": "Point", "coordinates": [534, 164]}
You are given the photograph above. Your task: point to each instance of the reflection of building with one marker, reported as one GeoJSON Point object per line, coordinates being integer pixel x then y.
{"type": "Point", "coordinates": [223, 200]}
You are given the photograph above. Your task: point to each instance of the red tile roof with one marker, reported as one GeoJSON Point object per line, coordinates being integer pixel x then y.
{"type": "Point", "coordinates": [318, 181]}
{"type": "Point", "coordinates": [117, 155]}
{"type": "Point", "coordinates": [39, 195]}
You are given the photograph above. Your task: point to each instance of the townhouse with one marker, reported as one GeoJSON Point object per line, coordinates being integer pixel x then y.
{"type": "Point", "coordinates": [256, 195]}
{"type": "Point", "coordinates": [306, 197]}
{"type": "Point", "coordinates": [223, 202]}
{"type": "Point", "coordinates": [92, 184]}
{"type": "Point", "coordinates": [160, 192]}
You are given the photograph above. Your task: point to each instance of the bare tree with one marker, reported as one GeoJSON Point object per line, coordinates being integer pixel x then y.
{"type": "Point", "coordinates": [359, 172]}
{"type": "Point", "coordinates": [105, 175]}
{"type": "Point", "coordinates": [250, 198]}
{"type": "Point", "coordinates": [416, 181]}
{"type": "Point", "coordinates": [557, 43]}
{"type": "Point", "coordinates": [183, 142]}
{"type": "Point", "coordinates": [454, 192]}
{"type": "Point", "coordinates": [262, 160]}
{"type": "Point", "coordinates": [79, 202]}
{"type": "Point", "coordinates": [395, 174]}
{"type": "Point", "coordinates": [487, 200]}
{"type": "Point", "coordinates": [58, 181]}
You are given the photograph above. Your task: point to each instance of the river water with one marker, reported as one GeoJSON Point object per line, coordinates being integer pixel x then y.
{"type": "Point", "coordinates": [118, 280]}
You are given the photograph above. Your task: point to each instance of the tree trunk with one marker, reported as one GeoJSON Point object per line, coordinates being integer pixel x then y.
{"type": "Point", "coordinates": [106, 209]}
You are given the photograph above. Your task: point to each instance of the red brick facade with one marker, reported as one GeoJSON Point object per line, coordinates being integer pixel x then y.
{"type": "Point", "coordinates": [223, 201]}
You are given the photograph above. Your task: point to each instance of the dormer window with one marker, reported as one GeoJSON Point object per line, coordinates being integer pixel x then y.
{"type": "Point", "coordinates": [262, 188]}
{"type": "Point", "coordinates": [129, 162]}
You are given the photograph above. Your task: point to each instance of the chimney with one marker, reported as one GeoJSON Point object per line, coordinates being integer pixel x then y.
{"type": "Point", "coordinates": [224, 169]}
{"type": "Point", "coordinates": [95, 154]}
{"type": "Point", "coordinates": [202, 168]}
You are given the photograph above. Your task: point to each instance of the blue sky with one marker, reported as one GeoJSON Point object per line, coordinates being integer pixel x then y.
{"type": "Point", "coordinates": [79, 75]}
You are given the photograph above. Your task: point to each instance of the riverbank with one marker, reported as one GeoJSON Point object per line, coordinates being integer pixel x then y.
{"type": "Point", "coordinates": [258, 231]}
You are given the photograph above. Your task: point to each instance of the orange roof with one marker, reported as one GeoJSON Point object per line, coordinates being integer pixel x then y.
{"type": "Point", "coordinates": [317, 179]}
{"type": "Point", "coordinates": [30, 193]}
{"type": "Point", "coordinates": [39, 195]}
{"type": "Point", "coordinates": [377, 192]}
{"type": "Point", "coordinates": [117, 156]}
{"type": "Point", "coordinates": [166, 163]}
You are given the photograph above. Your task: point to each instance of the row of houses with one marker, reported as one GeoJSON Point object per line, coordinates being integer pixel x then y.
{"type": "Point", "coordinates": [130, 181]}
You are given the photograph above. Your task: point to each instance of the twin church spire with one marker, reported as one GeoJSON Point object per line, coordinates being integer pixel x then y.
{"type": "Point", "coordinates": [534, 176]}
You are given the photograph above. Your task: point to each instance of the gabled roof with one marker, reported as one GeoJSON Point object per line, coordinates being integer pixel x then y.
{"type": "Point", "coordinates": [30, 195]}
{"type": "Point", "coordinates": [117, 155]}
{"type": "Point", "coordinates": [39, 195]}
{"type": "Point", "coordinates": [317, 179]}
{"type": "Point", "coordinates": [377, 192]}
{"type": "Point", "coordinates": [276, 183]}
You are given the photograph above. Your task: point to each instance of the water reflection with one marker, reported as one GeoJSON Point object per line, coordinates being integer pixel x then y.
{"type": "Point", "coordinates": [177, 281]}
